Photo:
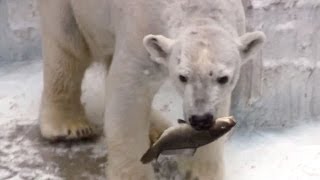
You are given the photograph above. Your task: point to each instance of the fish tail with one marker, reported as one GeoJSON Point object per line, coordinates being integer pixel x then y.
{"type": "Point", "coordinates": [149, 156]}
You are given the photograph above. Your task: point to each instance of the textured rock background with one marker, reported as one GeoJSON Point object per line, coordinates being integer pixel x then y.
{"type": "Point", "coordinates": [281, 86]}
{"type": "Point", "coordinates": [19, 35]}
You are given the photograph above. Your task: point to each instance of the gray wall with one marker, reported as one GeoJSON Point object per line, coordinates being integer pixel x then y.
{"type": "Point", "coordinates": [280, 87]}
{"type": "Point", "coordinates": [19, 35]}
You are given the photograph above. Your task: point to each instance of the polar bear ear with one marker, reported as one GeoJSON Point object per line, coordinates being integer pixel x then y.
{"type": "Point", "coordinates": [159, 47]}
{"type": "Point", "coordinates": [250, 44]}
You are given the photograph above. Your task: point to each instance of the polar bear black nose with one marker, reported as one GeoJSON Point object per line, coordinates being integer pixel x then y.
{"type": "Point", "coordinates": [201, 123]}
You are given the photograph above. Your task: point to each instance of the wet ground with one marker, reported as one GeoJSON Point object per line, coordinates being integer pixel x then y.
{"type": "Point", "coordinates": [278, 154]}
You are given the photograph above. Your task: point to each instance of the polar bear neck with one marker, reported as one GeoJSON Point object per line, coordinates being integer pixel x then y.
{"type": "Point", "coordinates": [180, 15]}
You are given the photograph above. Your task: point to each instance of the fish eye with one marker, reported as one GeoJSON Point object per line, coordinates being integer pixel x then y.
{"type": "Point", "coordinates": [223, 79]}
{"type": "Point", "coordinates": [183, 79]}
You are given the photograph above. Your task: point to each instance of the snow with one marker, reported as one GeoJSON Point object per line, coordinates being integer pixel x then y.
{"type": "Point", "coordinates": [286, 26]}
{"type": "Point", "coordinates": [278, 154]}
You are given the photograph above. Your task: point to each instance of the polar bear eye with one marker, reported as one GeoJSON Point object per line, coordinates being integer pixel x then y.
{"type": "Point", "coordinates": [183, 79]}
{"type": "Point", "coordinates": [223, 80]}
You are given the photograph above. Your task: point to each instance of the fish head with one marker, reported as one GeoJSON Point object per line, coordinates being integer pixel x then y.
{"type": "Point", "coordinates": [223, 125]}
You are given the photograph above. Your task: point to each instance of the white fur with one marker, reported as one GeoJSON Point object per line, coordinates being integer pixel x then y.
{"type": "Point", "coordinates": [134, 37]}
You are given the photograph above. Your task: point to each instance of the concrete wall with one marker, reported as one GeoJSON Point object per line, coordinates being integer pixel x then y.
{"type": "Point", "coordinates": [19, 35]}
{"type": "Point", "coordinates": [278, 88]}
{"type": "Point", "coordinates": [281, 86]}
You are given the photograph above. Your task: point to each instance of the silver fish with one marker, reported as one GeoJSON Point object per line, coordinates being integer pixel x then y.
{"type": "Point", "coordinates": [185, 137]}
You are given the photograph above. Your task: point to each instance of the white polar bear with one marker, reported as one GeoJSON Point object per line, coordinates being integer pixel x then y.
{"type": "Point", "coordinates": [200, 45]}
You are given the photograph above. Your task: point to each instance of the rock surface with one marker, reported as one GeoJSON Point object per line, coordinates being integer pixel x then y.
{"type": "Point", "coordinates": [280, 87]}
{"type": "Point", "coordinates": [19, 31]}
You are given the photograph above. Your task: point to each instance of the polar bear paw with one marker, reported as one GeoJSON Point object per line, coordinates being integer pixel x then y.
{"type": "Point", "coordinates": [59, 126]}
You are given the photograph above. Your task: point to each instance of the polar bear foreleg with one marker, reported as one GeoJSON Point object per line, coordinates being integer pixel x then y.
{"type": "Point", "coordinates": [62, 115]}
{"type": "Point", "coordinates": [127, 123]}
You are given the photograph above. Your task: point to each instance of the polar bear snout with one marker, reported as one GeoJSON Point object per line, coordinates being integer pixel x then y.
{"type": "Point", "coordinates": [201, 122]}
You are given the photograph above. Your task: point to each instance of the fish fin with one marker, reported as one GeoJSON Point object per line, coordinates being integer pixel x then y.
{"type": "Point", "coordinates": [194, 151]}
{"type": "Point", "coordinates": [171, 152]}
{"type": "Point", "coordinates": [149, 156]}
{"type": "Point", "coordinates": [186, 152]}
{"type": "Point", "coordinates": [157, 158]}
{"type": "Point", "coordinates": [181, 121]}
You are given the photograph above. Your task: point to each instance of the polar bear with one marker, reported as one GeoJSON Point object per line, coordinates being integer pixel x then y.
{"type": "Point", "coordinates": [199, 45]}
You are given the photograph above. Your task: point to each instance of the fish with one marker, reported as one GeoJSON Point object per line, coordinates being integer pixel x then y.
{"type": "Point", "coordinates": [184, 136]}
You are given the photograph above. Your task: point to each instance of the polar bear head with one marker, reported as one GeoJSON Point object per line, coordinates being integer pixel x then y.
{"type": "Point", "coordinates": [204, 65]}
